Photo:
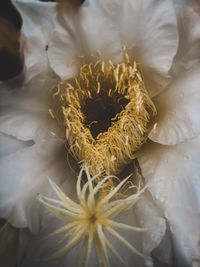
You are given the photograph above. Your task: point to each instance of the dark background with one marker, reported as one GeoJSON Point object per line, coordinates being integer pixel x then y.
{"type": "Point", "coordinates": [11, 62]}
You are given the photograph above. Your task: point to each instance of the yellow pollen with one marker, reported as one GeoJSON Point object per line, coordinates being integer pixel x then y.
{"type": "Point", "coordinates": [107, 114]}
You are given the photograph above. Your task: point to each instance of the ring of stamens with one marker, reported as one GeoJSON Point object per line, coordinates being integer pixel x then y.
{"type": "Point", "coordinates": [123, 88]}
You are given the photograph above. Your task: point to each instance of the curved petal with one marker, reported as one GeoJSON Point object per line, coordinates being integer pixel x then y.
{"type": "Point", "coordinates": [24, 175]}
{"type": "Point", "coordinates": [81, 31]}
{"type": "Point", "coordinates": [150, 217]}
{"type": "Point", "coordinates": [9, 144]}
{"type": "Point", "coordinates": [26, 124]}
{"type": "Point", "coordinates": [37, 30]}
{"type": "Point", "coordinates": [173, 174]}
{"type": "Point", "coordinates": [149, 30]}
{"type": "Point", "coordinates": [178, 110]}
{"type": "Point", "coordinates": [24, 110]}
{"type": "Point", "coordinates": [188, 56]}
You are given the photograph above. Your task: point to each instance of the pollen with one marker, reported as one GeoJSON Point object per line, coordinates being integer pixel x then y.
{"type": "Point", "coordinates": [88, 220]}
{"type": "Point", "coordinates": [107, 114]}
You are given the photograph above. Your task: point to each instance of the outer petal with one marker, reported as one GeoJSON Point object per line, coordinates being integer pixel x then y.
{"type": "Point", "coordinates": [174, 177]}
{"type": "Point", "coordinates": [24, 175]}
{"type": "Point", "coordinates": [178, 110]}
{"type": "Point", "coordinates": [24, 111]}
{"type": "Point", "coordinates": [81, 31]}
{"type": "Point", "coordinates": [9, 144]}
{"type": "Point", "coordinates": [149, 30]}
{"type": "Point", "coordinates": [189, 31]}
{"type": "Point", "coordinates": [150, 217]}
{"type": "Point", "coordinates": [37, 30]}
{"type": "Point", "coordinates": [25, 100]}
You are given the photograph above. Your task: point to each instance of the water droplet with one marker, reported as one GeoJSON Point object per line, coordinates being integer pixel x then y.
{"type": "Point", "coordinates": [186, 157]}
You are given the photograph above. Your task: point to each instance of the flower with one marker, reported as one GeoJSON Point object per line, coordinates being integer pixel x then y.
{"type": "Point", "coordinates": [149, 31]}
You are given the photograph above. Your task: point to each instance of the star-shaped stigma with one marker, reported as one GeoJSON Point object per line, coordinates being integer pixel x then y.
{"type": "Point", "coordinates": [89, 219]}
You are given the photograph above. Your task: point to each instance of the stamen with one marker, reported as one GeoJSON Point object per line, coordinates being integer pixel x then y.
{"type": "Point", "coordinates": [107, 114]}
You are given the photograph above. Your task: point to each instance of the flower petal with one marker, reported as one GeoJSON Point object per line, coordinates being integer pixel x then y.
{"type": "Point", "coordinates": [24, 110]}
{"type": "Point", "coordinates": [37, 30]}
{"type": "Point", "coordinates": [149, 30]}
{"type": "Point", "coordinates": [173, 175]}
{"type": "Point", "coordinates": [178, 110]}
{"type": "Point", "coordinates": [189, 31]}
{"type": "Point", "coordinates": [24, 175]}
{"type": "Point", "coordinates": [150, 217]}
{"type": "Point", "coordinates": [76, 34]}
{"type": "Point", "coordinates": [25, 99]}
{"type": "Point", "coordinates": [9, 144]}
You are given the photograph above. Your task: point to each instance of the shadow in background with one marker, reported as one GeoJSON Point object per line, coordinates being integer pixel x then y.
{"type": "Point", "coordinates": [10, 25]}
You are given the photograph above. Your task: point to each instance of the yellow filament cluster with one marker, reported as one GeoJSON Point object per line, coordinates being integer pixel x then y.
{"type": "Point", "coordinates": [113, 149]}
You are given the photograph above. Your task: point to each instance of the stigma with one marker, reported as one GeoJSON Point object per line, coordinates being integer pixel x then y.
{"type": "Point", "coordinates": [88, 220]}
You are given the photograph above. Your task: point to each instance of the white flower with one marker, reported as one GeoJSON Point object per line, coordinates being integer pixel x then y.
{"type": "Point", "coordinates": [170, 163]}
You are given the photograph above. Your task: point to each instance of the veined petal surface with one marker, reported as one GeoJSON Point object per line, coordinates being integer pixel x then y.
{"type": "Point", "coordinates": [173, 174]}
{"type": "Point", "coordinates": [178, 110]}
{"type": "Point", "coordinates": [81, 31]}
{"type": "Point", "coordinates": [25, 174]}
{"type": "Point", "coordinates": [37, 30]}
{"type": "Point", "coordinates": [149, 30]}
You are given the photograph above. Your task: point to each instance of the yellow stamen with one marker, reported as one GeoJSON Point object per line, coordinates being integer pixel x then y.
{"type": "Point", "coordinates": [120, 89]}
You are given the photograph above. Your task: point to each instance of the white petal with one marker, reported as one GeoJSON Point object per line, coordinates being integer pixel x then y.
{"type": "Point", "coordinates": [189, 231]}
{"type": "Point", "coordinates": [26, 124]}
{"type": "Point", "coordinates": [149, 216]}
{"type": "Point", "coordinates": [189, 31]}
{"type": "Point", "coordinates": [149, 30]}
{"type": "Point", "coordinates": [24, 175]}
{"type": "Point", "coordinates": [9, 144]}
{"type": "Point", "coordinates": [24, 111]}
{"type": "Point", "coordinates": [178, 110]}
{"type": "Point", "coordinates": [81, 32]}
{"type": "Point", "coordinates": [128, 217]}
{"type": "Point", "coordinates": [36, 32]}
{"type": "Point", "coordinates": [174, 177]}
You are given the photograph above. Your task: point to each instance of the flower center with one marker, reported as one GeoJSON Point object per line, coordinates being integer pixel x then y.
{"type": "Point", "coordinates": [102, 111]}
{"type": "Point", "coordinates": [107, 114]}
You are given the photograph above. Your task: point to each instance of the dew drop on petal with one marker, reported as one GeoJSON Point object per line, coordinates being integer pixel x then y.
{"type": "Point", "coordinates": [186, 157]}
